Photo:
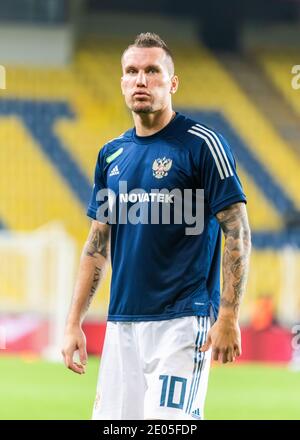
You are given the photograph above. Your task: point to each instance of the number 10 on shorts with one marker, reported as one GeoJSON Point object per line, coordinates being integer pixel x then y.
{"type": "Point", "coordinates": [169, 383]}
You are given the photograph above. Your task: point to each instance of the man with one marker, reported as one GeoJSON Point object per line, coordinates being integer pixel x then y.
{"type": "Point", "coordinates": [165, 281]}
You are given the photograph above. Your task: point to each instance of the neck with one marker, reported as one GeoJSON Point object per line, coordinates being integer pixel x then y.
{"type": "Point", "coordinates": [148, 124]}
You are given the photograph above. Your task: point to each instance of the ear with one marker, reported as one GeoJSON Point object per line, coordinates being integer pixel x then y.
{"type": "Point", "coordinates": [174, 84]}
{"type": "Point", "coordinates": [122, 88]}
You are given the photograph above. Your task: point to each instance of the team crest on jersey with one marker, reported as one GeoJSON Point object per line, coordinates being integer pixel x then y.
{"type": "Point", "coordinates": [161, 167]}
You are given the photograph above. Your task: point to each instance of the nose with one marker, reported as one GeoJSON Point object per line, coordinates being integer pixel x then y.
{"type": "Point", "coordinates": [141, 79]}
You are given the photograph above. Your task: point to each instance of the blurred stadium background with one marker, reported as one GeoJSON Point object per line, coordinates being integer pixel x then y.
{"type": "Point", "coordinates": [239, 65]}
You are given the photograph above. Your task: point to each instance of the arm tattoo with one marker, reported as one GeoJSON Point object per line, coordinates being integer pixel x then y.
{"type": "Point", "coordinates": [97, 243]}
{"type": "Point", "coordinates": [234, 224]}
{"type": "Point", "coordinates": [96, 280]}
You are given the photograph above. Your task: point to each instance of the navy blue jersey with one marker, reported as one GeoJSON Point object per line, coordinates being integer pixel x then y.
{"type": "Point", "coordinates": [158, 270]}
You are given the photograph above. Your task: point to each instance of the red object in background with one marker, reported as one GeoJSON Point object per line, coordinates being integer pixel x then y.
{"type": "Point", "coordinates": [270, 345]}
{"type": "Point", "coordinates": [263, 312]}
{"type": "Point", "coordinates": [24, 333]}
{"type": "Point", "coordinates": [95, 333]}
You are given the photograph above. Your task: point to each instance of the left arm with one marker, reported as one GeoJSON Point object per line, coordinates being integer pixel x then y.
{"type": "Point", "coordinates": [225, 336]}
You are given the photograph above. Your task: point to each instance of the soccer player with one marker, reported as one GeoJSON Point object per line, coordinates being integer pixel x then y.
{"type": "Point", "coordinates": [166, 314]}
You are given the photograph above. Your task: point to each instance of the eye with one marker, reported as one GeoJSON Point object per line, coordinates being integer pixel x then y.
{"type": "Point", "coordinates": [131, 71]}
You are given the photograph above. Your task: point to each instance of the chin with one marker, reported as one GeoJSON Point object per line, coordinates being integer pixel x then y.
{"type": "Point", "coordinates": [142, 108]}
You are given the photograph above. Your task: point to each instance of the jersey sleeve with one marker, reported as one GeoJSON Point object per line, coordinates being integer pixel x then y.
{"type": "Point", "coordinates": [222, 186]}
{"type": "Point", "coordinates": [99, 183]}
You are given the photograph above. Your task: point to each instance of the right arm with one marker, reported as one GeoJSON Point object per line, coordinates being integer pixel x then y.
{"type": "Point", "coordinates": [92, 268]}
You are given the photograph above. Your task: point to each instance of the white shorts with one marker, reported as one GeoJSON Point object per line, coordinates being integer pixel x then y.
{"type": "Point", "coordinates": [153, 370]}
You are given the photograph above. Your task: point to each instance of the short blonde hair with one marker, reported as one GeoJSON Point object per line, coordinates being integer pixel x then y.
{"type": "Point", "coordinates": [150, 39]}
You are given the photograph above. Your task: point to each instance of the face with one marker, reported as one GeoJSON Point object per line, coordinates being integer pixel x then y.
{"type": "Point", "coordinates": [148, 81]}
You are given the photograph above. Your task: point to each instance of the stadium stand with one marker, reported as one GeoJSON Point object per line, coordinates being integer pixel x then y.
{"type": "Point", "coordinates": [278, 66]}
{"type": "Point", "coordinates": [53, 122]}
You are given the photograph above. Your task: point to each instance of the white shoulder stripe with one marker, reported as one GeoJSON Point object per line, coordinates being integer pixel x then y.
{"type": "Point", "coordinates": [220, 145]}
{"type": "Point", "coordinates": [216, 144]}
{"type": "Point", "coordinates": [217, 148]}
{"type": "Point", "coordinates": [210, 146]}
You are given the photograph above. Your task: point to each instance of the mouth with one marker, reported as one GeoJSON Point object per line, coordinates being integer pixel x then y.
{"type": "Point", "coordinates": [141, 95]}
